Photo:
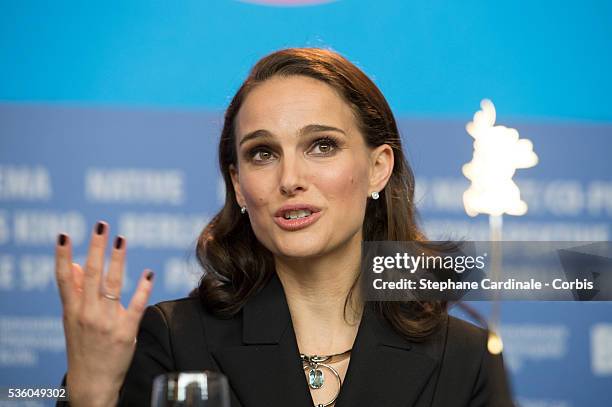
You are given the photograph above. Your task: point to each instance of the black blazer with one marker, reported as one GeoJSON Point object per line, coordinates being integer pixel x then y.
{"type": "Point", "coordinates": [257, 351]}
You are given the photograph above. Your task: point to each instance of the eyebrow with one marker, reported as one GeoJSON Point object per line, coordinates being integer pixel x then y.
{"type": "Point", "coordinates": [311, 128]}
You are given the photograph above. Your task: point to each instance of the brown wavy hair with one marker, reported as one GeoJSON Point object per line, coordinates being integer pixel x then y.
{"type": "Point", "coordinates": [236, 265]}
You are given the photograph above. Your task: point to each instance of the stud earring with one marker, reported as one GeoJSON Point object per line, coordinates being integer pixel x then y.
{"type": "Point", "coordinates": [243, 210]}
{"type": "Point", "coordinates": [375, 195]}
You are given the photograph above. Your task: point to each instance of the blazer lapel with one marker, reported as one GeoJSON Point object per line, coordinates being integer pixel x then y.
{"type": "Point", "coordinates": [385, 370]}
{"type": "Point", "coordinates": [266, 370]}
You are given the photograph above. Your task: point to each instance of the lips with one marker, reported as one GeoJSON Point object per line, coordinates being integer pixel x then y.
{"type": "Point", "coordinates": [299, 223]}
{"type": "Point", "coordinates": [280, 213]}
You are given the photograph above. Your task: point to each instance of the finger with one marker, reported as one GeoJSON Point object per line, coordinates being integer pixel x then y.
{"type": "Point", "coordinates": [114, 278]}
{"type": "Point", "coordinates": [63, 267]}
{"type": "Point", "coordinates": [139, 300]}
{"type": "Point", "coordinates": [94, 265]}
{"type": "Point", "coordinates": [77, 277]}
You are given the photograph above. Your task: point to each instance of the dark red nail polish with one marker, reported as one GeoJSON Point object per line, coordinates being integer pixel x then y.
{"type": "Point", "coordinates": [150, 275]}
{"type": "Point", "coordinates": [61, 239]}
{"type": "Point", "coordinates": [100, 228]}
{"type": "Point", "coordinates": [118, 242]}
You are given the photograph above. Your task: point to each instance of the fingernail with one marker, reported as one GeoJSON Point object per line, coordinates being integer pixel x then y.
{"type": "Point", "coordinates": [118, 242]}
{"type": "Point", "coordinates": [150, 275]}
{"type": "Point", "coordinates": [61, 239]}
{"type": "Point", "coordinates": [100, 228]}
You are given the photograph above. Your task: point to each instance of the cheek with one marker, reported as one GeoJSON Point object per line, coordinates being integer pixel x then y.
{"type": "Point", "coordinates": [344, 185]}
{"type": "Point", "coordinates": [256, 190]}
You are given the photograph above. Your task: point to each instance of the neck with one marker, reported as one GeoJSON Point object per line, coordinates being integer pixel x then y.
{"type": "Point", "coordinates": [316, 289]}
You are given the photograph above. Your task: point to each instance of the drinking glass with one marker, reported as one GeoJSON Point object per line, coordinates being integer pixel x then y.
{"type": "Point", "coordinates": [190, 389]}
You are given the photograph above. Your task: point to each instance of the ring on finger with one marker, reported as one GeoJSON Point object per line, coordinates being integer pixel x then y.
{"type": "Point", "coordinates": [110, 296]}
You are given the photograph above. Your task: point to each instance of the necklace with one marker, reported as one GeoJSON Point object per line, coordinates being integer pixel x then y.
{"type": "Point", "coordinates": [316, 378]}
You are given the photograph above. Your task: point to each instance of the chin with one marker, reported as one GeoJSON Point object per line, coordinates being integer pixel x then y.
{"type": "Point", "coordinates": [299, 247]}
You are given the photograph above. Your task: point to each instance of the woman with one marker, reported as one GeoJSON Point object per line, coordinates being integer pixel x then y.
{"type": "Point", "coordinates": [313, 165]}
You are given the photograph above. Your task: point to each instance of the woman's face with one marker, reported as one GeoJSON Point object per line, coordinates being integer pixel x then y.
{"type": "Point", "coordinates": [284, 159]}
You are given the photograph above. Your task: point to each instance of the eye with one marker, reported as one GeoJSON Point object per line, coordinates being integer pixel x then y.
{"type": "Point", "coordinates": [259, 154]}
{"type": "Point", "coordinates": [326, 145]}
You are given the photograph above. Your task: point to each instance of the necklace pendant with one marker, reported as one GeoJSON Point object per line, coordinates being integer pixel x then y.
{"type": "Point", "coordinates": [315, 378]}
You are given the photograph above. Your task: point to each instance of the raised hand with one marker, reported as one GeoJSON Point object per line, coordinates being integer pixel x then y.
{"type": "Point", "coordinates": [100, 332]}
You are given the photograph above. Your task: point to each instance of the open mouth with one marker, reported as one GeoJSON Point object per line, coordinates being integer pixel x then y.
{"type": "Point", "coordinates": [302, 213]}
{"type": "Point", "coordinates": [295, 220]}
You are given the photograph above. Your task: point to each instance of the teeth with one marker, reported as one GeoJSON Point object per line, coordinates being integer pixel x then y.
{"type": "Point", "coordinates": [297, 214]}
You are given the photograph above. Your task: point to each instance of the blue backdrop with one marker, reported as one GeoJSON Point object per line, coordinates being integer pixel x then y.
{"type": "Point", "coordinates": [112, 110]}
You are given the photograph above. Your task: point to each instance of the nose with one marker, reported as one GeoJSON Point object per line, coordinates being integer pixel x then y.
{"type": "Point", "coordinates": [292, 176]}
